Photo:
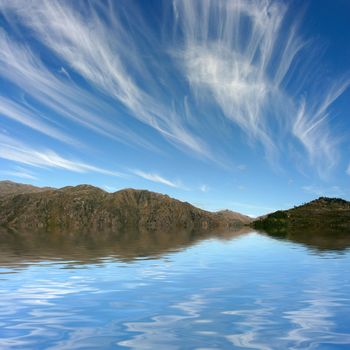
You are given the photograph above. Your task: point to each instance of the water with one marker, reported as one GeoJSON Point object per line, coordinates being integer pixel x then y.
{"type": "Point", "coordinates": [242, 290]}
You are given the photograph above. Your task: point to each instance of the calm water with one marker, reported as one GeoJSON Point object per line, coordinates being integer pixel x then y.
{"type": "Point", "coordinates": [241, 290]}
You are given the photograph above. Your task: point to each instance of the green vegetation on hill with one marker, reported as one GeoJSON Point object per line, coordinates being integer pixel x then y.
{"type": "Point", "coordinates": [323, 213]}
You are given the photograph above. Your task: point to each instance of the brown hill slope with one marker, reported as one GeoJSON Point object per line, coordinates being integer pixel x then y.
{"type": "Point", "coordinates": [86, 207]}
{"type": "Point", "coordinates": [10, 188]}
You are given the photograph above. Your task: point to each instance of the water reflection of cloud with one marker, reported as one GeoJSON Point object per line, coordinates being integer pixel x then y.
{"type": "Point", "coordinates": [31, 314]}
{"type": "Point", "coordinates": [241, 299]}
{"type": "Point", "coordinates": [51, 290]}
{"type": "Point", "coordinates": [159, 332]}
{"type": "Point", "coordinates": [155, 334]}
{"type": "Point", "coordinates": [193, 306]}
{"type": "Point", "coordinates": [252, 323]}
{"type": "Point", "coordinates": [315, 323]}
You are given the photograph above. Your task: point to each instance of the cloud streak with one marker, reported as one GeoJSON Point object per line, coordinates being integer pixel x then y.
{"type": "Point", "coordinates": [20, 172]}
{"type": "Point", "coordinates": [82, 41]}
{"type": "Point", "coordinates": [25, 116]}
{"type": "Point", "coordinates": [157, 178]}
{"type": "Point", "coordinates": [217, 67]}
{"type": "Point", "coordinates": [20, 66]}
{"type": "Point", "coordinates": [311, 128]}
{"type": "Point", "coordinates": [239, 55]}
{"type": "Point", "coordinates": [15, 151]}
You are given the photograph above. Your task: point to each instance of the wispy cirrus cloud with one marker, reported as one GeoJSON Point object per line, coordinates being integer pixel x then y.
{"type": "Point", "coordinates": [311, 127]}
{"type": "Point", "coordinates": [20, 172]}
{"type": "Point", "coordinates": [234, 60]}
{"type": "Point", "coordinates": [110, 189]}
{"type": "Point", "coordinates": [32, 119]}
{"type": "Point", "coordinates": [240, 55]}
{"type": "Point", "coordinates": [15, 151]}
{"type": "Point", "coordinates": [218, 66]}
{"type": "Point", "coordinates": [106, 63]}
{"type": "Point", "coordinates": [154, 177]}
{"type": "Point", "coordinates": [22, 67]}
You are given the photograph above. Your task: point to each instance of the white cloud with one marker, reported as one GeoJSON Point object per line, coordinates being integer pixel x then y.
{"type": "Point", "coordinates": [233, 63]}
{"type": "Point", "coordinates": [19, 173]}
{"type": "Point", "coordinates": [239, 55]}
{"type": "Point", "coordinates": [104, 57]}
{"type": "Point", "coordinates": [25, 116]}
{"type": "Point", "coordinates": [311, 128]}
{"type": "Point", "coordinates": [157, 178]}
{"type": "Point", "coordinates": [19, 65]}
{"type": "Point", "coordinates": [16, 151]}
{"type": "Point", "coordinates": [109, 188]}
{"type": "Point", "coordinates": [204, 188]}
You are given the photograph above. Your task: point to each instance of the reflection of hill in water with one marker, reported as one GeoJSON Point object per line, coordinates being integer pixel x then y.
{"type": "Point", "coordinates": [23, 247]}
{"type": "Point", "coordinates": [320, 240]}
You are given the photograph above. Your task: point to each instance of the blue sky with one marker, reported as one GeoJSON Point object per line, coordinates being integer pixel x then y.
{"type": "Point", "coordinates": [225, 104]}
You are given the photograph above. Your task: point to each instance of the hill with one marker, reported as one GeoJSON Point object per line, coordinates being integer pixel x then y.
{"type": "Point", "coordinates": [9, 187]}
{"type": "Point", "coordinates": [85, 207]}
{"type": "Point", "coordinates": [320, 214]}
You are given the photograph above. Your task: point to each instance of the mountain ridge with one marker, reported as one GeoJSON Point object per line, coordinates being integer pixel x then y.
{"type": "Point", "coordinates": [8, 187]}
{"type": "Point", "coordinates": [89, 207]}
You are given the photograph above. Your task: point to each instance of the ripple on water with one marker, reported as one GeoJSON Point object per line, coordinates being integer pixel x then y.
{"type": "Point", "coordinates": [251, 292]}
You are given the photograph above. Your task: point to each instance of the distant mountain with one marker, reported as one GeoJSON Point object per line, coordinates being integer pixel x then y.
{"type": "Point", "coordinates": [228, 215]}
{"type": "Point", "coordinates": [324, 214]}
{"type": "Point", "coordinates": [9, 187]}
{"type": "Point", "coordinates": [89, 208]}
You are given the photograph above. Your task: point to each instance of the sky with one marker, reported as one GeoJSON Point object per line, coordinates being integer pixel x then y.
{"type": "Point", "coordinates": [241, 105]}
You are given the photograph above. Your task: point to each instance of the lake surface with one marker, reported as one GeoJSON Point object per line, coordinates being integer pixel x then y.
{"type": "Point", "coordinates": [239, 290]}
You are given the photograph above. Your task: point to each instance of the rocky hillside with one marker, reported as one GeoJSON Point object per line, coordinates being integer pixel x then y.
{"type": "Point", "coordinates": [86, 207]}
{"type": "Point", "coordinates": [10, 187]}
{"type": "Point", "coordinates": [320, 214]}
